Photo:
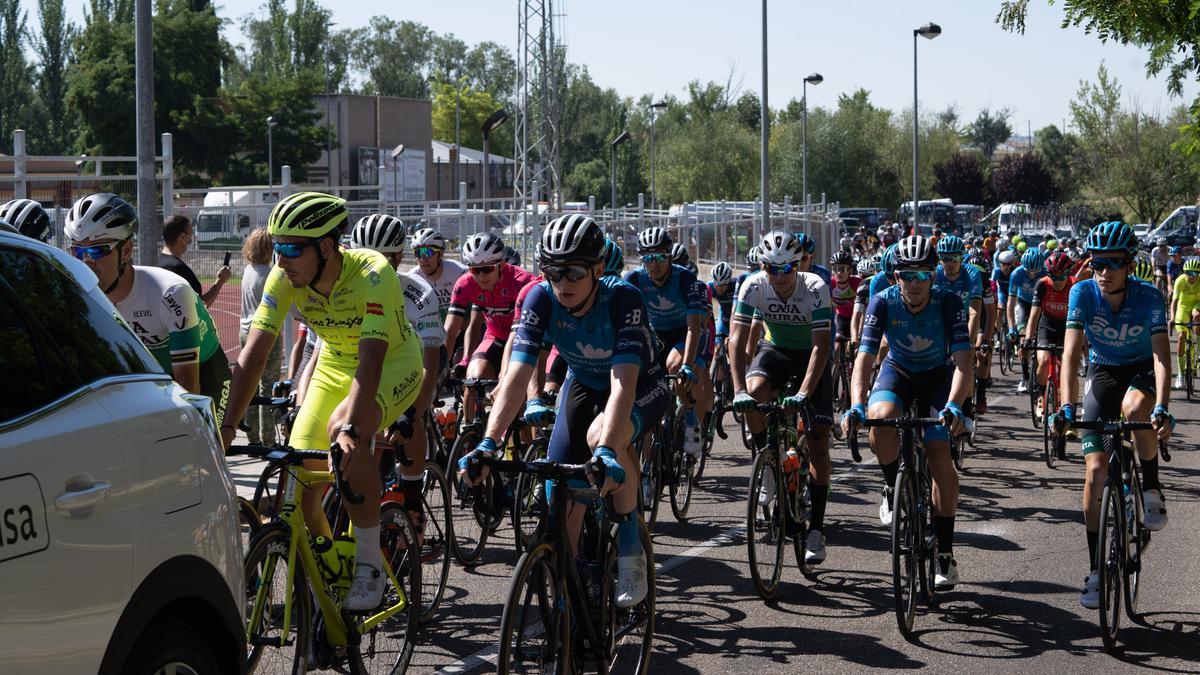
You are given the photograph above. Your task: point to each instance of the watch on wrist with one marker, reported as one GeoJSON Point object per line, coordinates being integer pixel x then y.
{"type": "Point", "coordinates": [350, 431]}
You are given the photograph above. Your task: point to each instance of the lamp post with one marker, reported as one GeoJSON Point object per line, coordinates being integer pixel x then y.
{"type": "Point", "coordinates": [624, 136]}
{"type": "Point", "coordinates": [396, 153]}
{"type": "Point", "coordinates": [764, 124]}
{"type": "Point", "coordinates": [492, 123]}
{"type": "Point", "coordinates": [270, 152]}
{"type": "Point", "coordinates": [813, 79]}
{"type": "Point", "coordinates": [929, 31]}
{"type": "Point", "coordinates": [653, 157]}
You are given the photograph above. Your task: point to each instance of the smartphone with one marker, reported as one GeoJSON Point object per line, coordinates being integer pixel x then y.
{"type": "Point", "coordinates": [228, 255]}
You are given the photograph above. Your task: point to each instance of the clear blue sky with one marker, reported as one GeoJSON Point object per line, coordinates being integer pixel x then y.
{"type": "Point", "coordinates": [657, 46]}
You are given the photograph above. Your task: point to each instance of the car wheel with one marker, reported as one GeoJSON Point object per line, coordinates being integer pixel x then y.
{"type": "Point", "coordinates": [172, 647]}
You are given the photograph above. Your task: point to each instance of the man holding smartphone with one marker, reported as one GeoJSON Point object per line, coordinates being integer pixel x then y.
{"type": "Point", "coordinates": [178, 233]}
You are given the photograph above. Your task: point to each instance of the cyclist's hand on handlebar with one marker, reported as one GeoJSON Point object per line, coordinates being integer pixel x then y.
{"type": "Point", "coordinates": [688, 372]}
{"type": "Point", "coordinates": [743, 402]}
{"type": "Point", "coordinates": [400, 430]}
{"type": "Point", "coordinates": [1163, 421]}
{"type": "Point", "coordinates": [537, 413]}
{"type": "Point", "coordinates": [1063, 419]}
{"type": "Point", "coordinates": [469, 468]}
{"type": "Point", "coordinates": [952, 416]}
{"type": "Point", "coordinates": [853, 417]}
{"type": "Point", "coordinates": [614, 473]}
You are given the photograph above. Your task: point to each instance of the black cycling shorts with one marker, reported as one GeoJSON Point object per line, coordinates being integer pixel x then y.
{"type": "Point", "coordinates": [556, 373]}
{"type": "Point", "coordinates": [1051, 332]}
{"type": "Point", "coordinates": [579, 406]}
{"type": "Point", "coordinates": [925, 393]}
{"type": "Point", "coordinates": [668, 340]}
{"type": "Point", "coordinates": [780, 366]}
{"type": "Point", "coordinates": [214, 382]}
{"type": "Point", "coordinates": [1106, 387]}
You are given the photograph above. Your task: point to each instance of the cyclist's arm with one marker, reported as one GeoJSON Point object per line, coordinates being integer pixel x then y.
{"type": "Point", "coordinates": [247, 372]}
{"type": "Point", "coordinates": [964, 374]}
{"type": "Point", "coordinates": [817, 361]}
{"type": "Point", "coordinates": [1160, 345]}
{"type": "Point", "coordinates": [1035, 315]}
{"type": "Point", "coordinates": [454, 326]}
{"type": "Point", "coordinates": [305, 376]}
{"type": "Point", "coordinates": [737, 354]}
{"type": "Point", "coordinates": [1011, 311]}
{"type": "Point", "coordinates": [871, 341]}
{"type": "Point", "coordinates": [694, 296]}
{"type": "Point", "coordinates": [1072, 351]}
{"type": "Point", "coordinates": [974, 323]}
{"type": "Point", "coordinates": [187, 375]}
{"type": "Point", "coordinates": [691, 346]}
{"type": "Point", "coordinates": [297, 354]}
{"type": "Point", "coordinates": [507, 399]}
{"type": "Point", "coordinates": [856, 319]}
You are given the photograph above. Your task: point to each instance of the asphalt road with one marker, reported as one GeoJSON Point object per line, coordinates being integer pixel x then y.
{"type": "Point", "coordinates": [1020, 546]}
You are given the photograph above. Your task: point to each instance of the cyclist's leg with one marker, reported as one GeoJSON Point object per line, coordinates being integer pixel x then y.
{"type": "Point", "coordinates": [214, 381]}
{"type": "Point", "coordinates": [1103, 393]}
{"type": "Point", "coordinates": [1136, 406]}
{"type": "Point", "coordinates": [820, 468]}
{"type": "Point", "coordinates": [578, 407]}
{"type": "Point", "coordinates": [325, 390]}
{"type": "Point", "coordinates": [766, 376]}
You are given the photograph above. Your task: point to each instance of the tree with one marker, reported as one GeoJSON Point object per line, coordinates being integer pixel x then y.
{"type": "Point", "coordinates": [591, 118]}
{"type": "Point", "coordinates": [1022, 178]}
{"type": "Point", "coordinates": [989, 131]}
{"type": "Point", "coordinates": [395, 57]}
{"type": "Point", "coordinates": [55, 130]}
{"type": "Point", "coordinates": [1060, 155]}
{"type": "Point", "coordinates": [961, 179]}
{"type": "Point", "coordinates": [748, 111]}
{"type": "Point", "coordinates": [474, 108]}
{"type": "Point", "coordinates": [297, 138]}
{"type": "Point", "coordinates": [491, 67]}
{"type": "Point", "coordinates": [16, 75]}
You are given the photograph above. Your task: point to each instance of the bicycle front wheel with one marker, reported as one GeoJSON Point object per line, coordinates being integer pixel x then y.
{"type": "Point", "coordinates": [628, 632]}
{"type": "Point", "coordinates": [435, 551]}
{"type": "Point", "coordinates": [764, 524]}
{"type": "Point", "coordinates": [469, 527]}
{"type": "Point", "coordinates": [273, 591]}
{"type": "Point", "coordinates": [529, 498]}
{"type": "Point", "coordinates": [906, 551]}
{"type": "Point", "coordinates": [1139, 540]}
{"type": "Point", "coordinates": [682, 468]}
{"type": "Point", "coordinates": [388, 646]}
{"type": "Point", "coordinates": [1111, 551]}
{"type": "Point", "coordinates": [535, 629]}
{"type": "Point", "coordinates": [841, 398]}
{"type": "Point", "coordinates": [1049, 444]}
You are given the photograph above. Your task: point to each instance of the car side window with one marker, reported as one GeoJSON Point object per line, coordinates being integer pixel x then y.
{"type": "Point", "coordinates": [77, 338]}
{"type": "Point", "coordinates": [19, 359]}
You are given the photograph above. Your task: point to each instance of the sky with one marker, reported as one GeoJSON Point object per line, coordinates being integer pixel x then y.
{"type": "Point", "coordinates": [658, 46]}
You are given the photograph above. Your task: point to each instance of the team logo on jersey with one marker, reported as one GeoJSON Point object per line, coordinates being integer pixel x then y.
{"type": "Point", "coordinates": [590, 352]}
{"type": "Point", "coordinates": [1100, 326]}
{"type": "Point", "coordinates": [373, 277]}
{"type": "Point", "coordinates": [375, 309]}
{"type": "Point", "coordinates": [270, 301]}
{"type": "Point", "coordinates": [662, 304]}
{"type": "Point", "coordinates": [917, 343]}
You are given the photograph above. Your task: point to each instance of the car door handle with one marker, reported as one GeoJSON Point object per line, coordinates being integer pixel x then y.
{"type": "Point", "coordinates": [75, 500]}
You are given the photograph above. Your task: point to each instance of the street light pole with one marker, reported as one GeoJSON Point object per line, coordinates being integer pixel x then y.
{"type": "Point", "coordinates": [928, 31]}
{"type": "Point", "coordinates": [764, 168]}
{"type": "Point", "coordinates": [270, 153]}
{"type": "Point", "coordinates": [396, 153]}
{"type": "Point", "coordinates": [492, 123]}
{"type": "Point", "coordinates": [814, 79]}
{"type": "Point", "coordinates": [624, 136]}
{"type": "Point", "coordinates": [654, 107]}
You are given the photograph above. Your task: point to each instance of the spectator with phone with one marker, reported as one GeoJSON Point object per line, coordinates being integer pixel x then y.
{"type": "Point", "coordinates": [178, 233]}
{"type": "Point", "coordinates": [257, 252]}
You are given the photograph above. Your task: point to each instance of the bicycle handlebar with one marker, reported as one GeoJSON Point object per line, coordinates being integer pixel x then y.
{"type": "Point", "coordinates": [343, 485]}
{"type": "Point", "coordinates": [901, 423]}
{"type": "Point", "coordinates": [1110, 427]}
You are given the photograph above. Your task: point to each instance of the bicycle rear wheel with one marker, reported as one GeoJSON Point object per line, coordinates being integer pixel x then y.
{"type": "Point", "coordinates": [1189, 367]}
{"type": "Point", "coordinates": [659, 446]}
{"type": "Point", "coordinates": [249, 522]}
{"type": "Point", "coordinates": [1034, 413]}
{"type": "Point", "coordinates": [628, 632]}
{"type": "Point", "coordinates": [469, 527]}
{"type": "Point", "coordinates": [1049, 440]}
{"type": "Point", "coordinates": [269, 581]}
{"type": "Point", "coordinates": [764, 524]}
{"type": "Point", "coordinates": [841, 397]}
{"type": "Point", "coordinates": [906, 551]}
{"type": "Point", "coordinates": [529, 498]}
{"type": "Point", "coordinates": [1111, 551]}
{"type": "Point", "coordinates": [435, 552]}
{"type": "Point", "coordinates": [535, 629]}
{"type": "Point", "coordinates": [800, 512]}
{"type": "Point", "coordinates": [1139, 541]}
{"type": "Point", "coordinates": [682, 468]}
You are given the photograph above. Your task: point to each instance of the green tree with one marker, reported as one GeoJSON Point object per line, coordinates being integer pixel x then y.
{"type": "Point", "coordinates": [961, 179]}
{"type": "Point", "coordinates": [55, 127]}
{"type": "Point", "coordinates": [1060, 154]}
{"type": "Point", "coordinates": [591, 118]}
{"type": "Point", "coordinates": [395, 58]}
{"type": "Point", "coordinates": [16, 75]}
{"type": "Point", "coordinates": [474, 107]}
{"type": "Point", "coordinates": [1022, 178]}
{"type": "Point", "coordinates": [989, 130]}
{"type": "Point", "coordinates": [297, 138]}
{"type": "Point", "coordinates": [491, 67]}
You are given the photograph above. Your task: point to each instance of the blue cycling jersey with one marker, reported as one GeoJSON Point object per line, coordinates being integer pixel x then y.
{"type": "Point", "coordinates": [670, 304]}
{"type": "Point", "coordinates": [1001, 280]}
{"type": "Point", "coordinates": [613, 331]}
{"type": "Point", "coordinates": [724, 304]}
{"type": "Point", "coordinates": [825, 273]}
{"type": "Point", "coordinates": [917, 342]}
{"type": "Point", "coordinates": [879, 283]}
{"type": "Point", "coordinates": [968, 286]}
{"type": "Point", "coordinates": [1174, 269]}
{"type": "Point", "coordinates": [1121, 339]}
{"type": "Point", "coordinates": [1021, 283]}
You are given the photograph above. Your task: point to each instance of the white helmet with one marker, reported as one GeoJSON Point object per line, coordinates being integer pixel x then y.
{"type": "Point", "coordinates": [101, 216]}
{"type": "Point", "coordinates": [754, 256]}
{"type": "Point", "coordinates": [653, 239]}
{"type": "Point", "coordinates": [427, 236]}
{"type": "Point", "coordinates": [779, 248]}
{"type": "Point", "coordinates": [722, 273]}
{"type": "Point", "coordinates": [483, 248]}
{"type": "Point", "coordinates": [1007, 257]}
{"type": "Point", "coordinates": [379, 232]}
{"type": "Point", "coordinates": [915, 251]}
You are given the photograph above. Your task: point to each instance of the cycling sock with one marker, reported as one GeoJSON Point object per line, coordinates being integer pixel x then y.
{"type": "Point", "coordinates": [1150, 474]}
{"type": "Point", "coordinates": [628, 542]}
{"type": "Point", "coordinates": [759, 439]}
{"type": "Point", "coordinates": [410, 487]}
{"type": "Point", "coordinates": [1092, 539]}
{"type": "Point", "coordinates": [944, 526]}
{"type": "Point", "coordinates": [981, 386]}
{"type": "Point", "coordinates": [690, 418]}
{"type": "Point", "coordinates": [820, 497]}
{"type": "Point", "coordinates": [366, 546]}
{"type": "Point", "coordinates": [889, 473]}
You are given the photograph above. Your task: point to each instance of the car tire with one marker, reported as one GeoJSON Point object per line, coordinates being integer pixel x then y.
{"type": "Point", "coordinates": [172, 642]}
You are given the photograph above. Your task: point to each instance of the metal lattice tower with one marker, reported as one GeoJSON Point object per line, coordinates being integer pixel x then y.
{"type": "Point", "coordinates": [541, 56]}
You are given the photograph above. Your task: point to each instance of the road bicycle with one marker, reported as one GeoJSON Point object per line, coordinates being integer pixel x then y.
{"type": "Point", "coordinates": [471, 521]}
{"type": "Point", "coordinates": [1004, 347]}
{"type": "Point", "coordinates": [1187, 371]}
{"type": "Point", "coordinates": [1123, 539]}
{"type": "Point", "coordinates": [287, 570]}
{"type": "Point", "coordinates": [1054, 446]}
{"type": "Point", "coordinates": [669, 465]}
{"type": "Point", "coordinates": [843, 369]}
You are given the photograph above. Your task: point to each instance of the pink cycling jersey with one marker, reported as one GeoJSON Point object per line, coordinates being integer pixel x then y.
{"type": "Point", "coordinates": [497, 304]}
{"type": "Point", "coordinates": [843, 295]}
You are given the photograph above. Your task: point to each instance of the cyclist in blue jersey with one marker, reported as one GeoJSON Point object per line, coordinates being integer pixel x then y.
{"type": "Point", "coordinates": [928, 368]}
{"type": "Point", "coordinates": [723, 291]}
{"type": "Point", "coordinates": [1129, 373]}
{"type": "Point", "coordinates": [966, 282]}
{"type": "Point", "coordinates": [614, 259]}
{"type": "Point", "coordinates": [1020, 303]}
{"type": "Point", "coordinates": [614, 391]}
{"type": "Point", "coordinates": [703, 391]}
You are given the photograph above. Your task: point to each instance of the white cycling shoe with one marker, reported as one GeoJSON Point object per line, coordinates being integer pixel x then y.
{"type": "Point", "coordinates": [1089, 597]}
{"type": "Point", "coordinates": [692, 444]}
{"type": "Point", "coordinates": [885, 508]}
{"type": "Point", "coordinates": [814, 548]}
{"type": "Point", "coordinates": [1154, 510]}
{"type": "Point", "coordinates": [631, 580]}
{"type": "Point", "coordinates": [366, 592]}
{"type": "Point", "coordinates": [948, 579]}
{"type": "Point", "coordinates": [766, 491]}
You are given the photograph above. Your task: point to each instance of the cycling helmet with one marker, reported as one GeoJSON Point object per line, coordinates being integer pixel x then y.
{"type": "Point", "coordinates": [841, 258]}
{"type": "Point", "coordinates": [1032, 260]}
{"type": "Point", "coordinates": [28, 217]}
{"type": "Point", "coordinates": [308, 214]}
{"type": "Point", "coordinates": [379, 232]}
{"type": "Point", "coordinates": [950, 245]}
{"type": "Point", "coordinates": [1143, 269]}
{"type": "Point", "coordinates": [722, 273]}
{"type": "Point", "coordinates": [1017, 239]}
{"type": "Point", "coordinates": [980, 262]}
{"type": "Point", "coordinates": [101, 216]}
{"type": "Point", "coordinates": [1058, 263]}
{"type": "Point", "coordinates": [691, 267]}
{"type": "Point", "coordinates": [780, 248]}
{"type": "Point", "coordinates": [1111, 236]}
{"type": "Point", "coordinates": [427, 236]}
{"type": "Point", "coordinates": [614, 258]}
{"type": "Point", "coordinates": [485, 248]}
{"type": "Point", "coordinates": [680, 255]}
{"type": "Point", "coordinates": [887, 262]}
{"type": "Point", "coordinates": [512, 256]}
{"type": "Point", "coordinates": [1052, 244]}
{"type": "Point", "coordinates": [653, 239]}
{"type": "Point", "coordinates": [866, 267]}
{"type": "Point", "coordinates": [1174, 250]}
{"type": "Point", "coordinates": [754, 257]}
{"type": "Point", "coordinates": [1191, 265]}
{"type": "Point", "coordinates": [1021, 247]}
{"type": "Point", "coordinates": [915, 252]}
{"type": "Point", "coordinates": [807, 243]}
{"type": "Point", "coordinates": [571, 238]}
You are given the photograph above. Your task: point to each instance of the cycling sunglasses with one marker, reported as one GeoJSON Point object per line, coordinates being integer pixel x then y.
{"type": "Point", "coordinates": [1191, 273]}
{"type": "Point", "coordinates": [838, 269]}
{"type": "Point", "coordinates": [779, 270]}
{"type": "Point", "coordinates": [481, 270]}
{"type": "Point", "coordinates": [914, 275]}
{"type": "Point", "coordinates": [654, 258]}
{"type": "Point", "coordinates": [293, 250]}
{"type": "Point", "coordinates": [1101, 264]}
{"type": "Point", "coordinates": [570, 272]}
{"type": "Point", "coordinates": [1059, 277]}
{"type": "Point", "coordinates": [95, 251]}
{"type": "Point", "coordinates": [426, 251]}
{"type": "Point", "coordinates": [951, 257]}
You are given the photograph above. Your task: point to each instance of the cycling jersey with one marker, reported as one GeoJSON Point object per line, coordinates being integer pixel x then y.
{"type": "Point", "coordinates": [444, 286]}
{"type": "Point", "coordinates": [1160, 255]}
{"type": "Point", "coordinates": [496, 304]}
{"type": "Point", "coordinates": [967, 286]}
{"type": "Point", "coordinates": [169, 318]}
{"type": "Point", "coordinates": [421, 308]}
{"type": "Point", "coordinates": [843, 296]}
{"type": "Point", "coordinates": [1123, 338]}
{"type": "Point", "coordinates": [863, 295]}
{"type": "Point", "coordinates": [724, 305]}
{"type": "Point", "coordinates": [669, 305]}
{"type": "Point", "coordinates": [1002, 281]}
{"type": "Point", "coordinates": [1188, 294]}
{"type": "Point", "coordinates": [1053, 303]}
{"type": "Point", "coordinates": [791, 323]}
{"type": "Point", "coordinates": [879, 283]}
{"type": "Point", "coordinates": [1174, 271]}
{"type": "Point", "coordinates": [614, 331]}
{"type": "Point", "coordinates": [917, 342]}
{"type": "Point", "coordinates": [1020, 283]}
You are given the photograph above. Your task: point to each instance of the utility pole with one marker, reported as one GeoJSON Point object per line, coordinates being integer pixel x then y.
{"type": "Point", "coordinates": [149, 226]}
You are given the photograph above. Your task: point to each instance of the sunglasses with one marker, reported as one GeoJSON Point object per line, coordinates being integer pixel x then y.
{"type": "Point", "coordinates": [481, 270]}
{"type": "Point", "coordinates": [654, 258]}
{"type": "Point", "coordinates": [950, 257]}
{"type": "Point", "coordinates": [95, 251]}
{"type": "Point", "coordinates": [426, 251]}
{"type": "Point", "coordinates": [569, 272]}
{"type": "Point", "coordinates": [1102, 264]}
{"type": "Point", "coordinates": [1059, 277]}
{"type": "Point", "coordinates": [914, 275]}
{"type": "Point", "coordinates": [1192, 273]}
{"type": "Point", "coordinates": [779, 270]}
{"type": "Point", "coordinates": [838, 269]}
{"type": "Point", "coordinates": [292, 250]}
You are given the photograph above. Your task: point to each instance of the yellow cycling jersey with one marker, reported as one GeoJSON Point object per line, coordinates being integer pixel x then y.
{"type": "Point", "coordinates": [1188, 294]}
{"type": "Point", "coordinates": [366, 302]}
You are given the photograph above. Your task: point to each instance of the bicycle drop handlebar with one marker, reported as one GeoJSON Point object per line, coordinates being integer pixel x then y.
{"type": "Point", "coordinates": [1112, 428]}
{"type": "Point", "coordinates": [900, 423]}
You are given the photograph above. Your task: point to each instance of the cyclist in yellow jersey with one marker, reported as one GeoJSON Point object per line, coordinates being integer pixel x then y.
{"type": "Point", "coordinates": [368, 372]}
{"type": "Point", "coordinates": [1185, 307]}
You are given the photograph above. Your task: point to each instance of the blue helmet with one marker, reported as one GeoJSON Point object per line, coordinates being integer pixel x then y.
{"type": "Point", "coordinates": [950, 245]}
{"type": "Point", "coordinates": [1175, 250]}
{"type": "Point", "coordinates": [1111, 236]}
{"type": "Point", "coordinates": [887, 264]}
{"type": "Point", "coordinates": [1032, 260]}
{"type": "Point", "coordinates": [614, 258]}
{"type": "Point", "coordinates": [807, 243]}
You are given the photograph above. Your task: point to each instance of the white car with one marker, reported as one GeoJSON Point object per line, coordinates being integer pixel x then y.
{"type": "Point", "coordinates": [119, 543]}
